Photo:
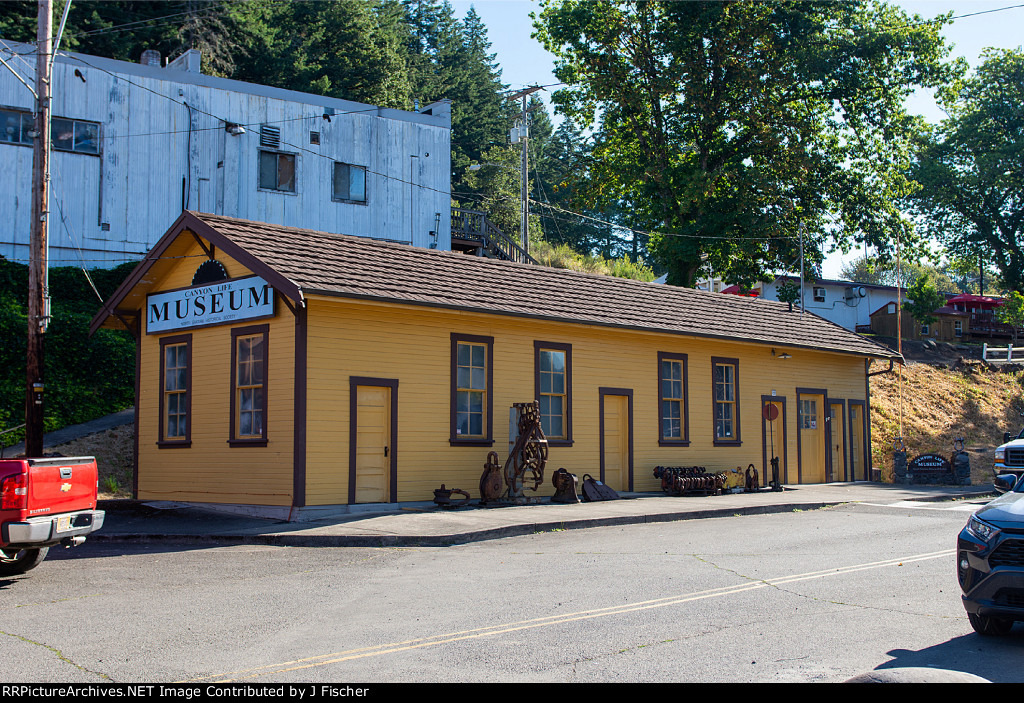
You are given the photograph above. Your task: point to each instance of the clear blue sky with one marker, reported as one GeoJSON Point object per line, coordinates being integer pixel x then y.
{"type": "Point", "coordinates": [524, 62]}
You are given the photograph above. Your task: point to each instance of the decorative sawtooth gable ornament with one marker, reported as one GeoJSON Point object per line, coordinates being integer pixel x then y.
{"type": "Point", "coordinates": [209, 271]}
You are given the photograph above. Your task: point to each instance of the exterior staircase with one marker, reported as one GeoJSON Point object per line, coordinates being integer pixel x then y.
{"type": "Point", "coordinates": [473, 233]}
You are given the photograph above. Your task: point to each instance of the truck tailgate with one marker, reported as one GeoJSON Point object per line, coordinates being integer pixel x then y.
{"type": "Point", "coordinates": [61, 485]}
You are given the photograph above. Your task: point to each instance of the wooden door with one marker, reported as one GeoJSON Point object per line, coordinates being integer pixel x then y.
{"type": "Point", "coordinates": [858, 467]}
{"type": "Point", "coordinates": [615, 442]}
{"type": "Point", "coordinates": [373, 444]}
{"type": "Point", "coordinates": [837, 444]}
{"type": "Point", "coordinates": [812, 438]}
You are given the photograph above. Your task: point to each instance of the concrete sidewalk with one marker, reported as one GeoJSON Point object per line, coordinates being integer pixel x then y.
{"type": "Point", "coordinates": [424, 524]}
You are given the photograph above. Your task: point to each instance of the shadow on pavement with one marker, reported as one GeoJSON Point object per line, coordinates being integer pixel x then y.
{"type": "Point", "coordinates": [994, 658]}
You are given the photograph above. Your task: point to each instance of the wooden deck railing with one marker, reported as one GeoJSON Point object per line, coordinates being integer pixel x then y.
{"type": "Point", "coordinates": [473, 227]}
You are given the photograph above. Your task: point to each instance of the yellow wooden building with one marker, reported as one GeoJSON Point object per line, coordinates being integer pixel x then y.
{"type": "Point", "coordinates": [290, 373]}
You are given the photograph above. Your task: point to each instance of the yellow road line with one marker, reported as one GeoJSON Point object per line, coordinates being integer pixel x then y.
{"type": "Point", "coordinates": [490, 631]}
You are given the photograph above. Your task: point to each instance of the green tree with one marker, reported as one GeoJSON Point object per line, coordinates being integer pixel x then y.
{"type": "Point", "coordinates": [726, 126]}
{"type": "Point", "coordinates": [351, 50]}
{"type": "Point", "coordinates": [123, 29]}
{"type": "Point", "coordinates": [1011, 312]}
{"type": "Point", "coordinates": [972, 168]}
{"type": "Point", "coordinates": [86, 376]}
{"type": "Point", "coordinates": [923, 301]}
{"type": "Point", "coordinates": [886, 273]}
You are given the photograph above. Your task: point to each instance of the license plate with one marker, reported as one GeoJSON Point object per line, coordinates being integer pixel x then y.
{"type": "Point", "coordinates": [64, 523]}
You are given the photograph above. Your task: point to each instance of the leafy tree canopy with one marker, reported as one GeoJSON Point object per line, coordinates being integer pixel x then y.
{"type": "Point", "coordinates": [923, 301]}
{"type": "Point", "coordinates": [726, 126]}
{"type": "Point", "coordinates": [972, 167]}
{"type": "Point", "coordinates": [1011, 312]}
{"type": "Point", "coordinates": [886, 273]}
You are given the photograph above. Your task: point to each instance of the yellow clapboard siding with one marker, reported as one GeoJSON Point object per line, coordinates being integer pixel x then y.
{"type": "Point", "coordinates": [210, 470]}
{"type": "Point", "coordinates": [413, 345]}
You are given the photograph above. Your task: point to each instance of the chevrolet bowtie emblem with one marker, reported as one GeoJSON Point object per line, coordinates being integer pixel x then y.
{"type": "Point", "coordinates": [65, 487]}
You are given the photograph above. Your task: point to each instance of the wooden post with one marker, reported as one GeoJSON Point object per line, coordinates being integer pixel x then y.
{"type": "Point", "coordinates": [38, 295]}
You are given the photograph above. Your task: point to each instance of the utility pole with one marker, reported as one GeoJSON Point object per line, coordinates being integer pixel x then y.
{"type": "Point", "coordinates": [38, 294]}
{"type": "Point", "coordinates": [524, 186]}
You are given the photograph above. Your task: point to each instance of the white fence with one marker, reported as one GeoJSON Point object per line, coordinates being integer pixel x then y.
{"type": "Point", "coordinates": [1002, 354]}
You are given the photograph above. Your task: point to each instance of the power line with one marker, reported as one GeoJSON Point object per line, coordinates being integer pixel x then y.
{"type": "Point", "coordinates": [207, 12]}
{"type": "Point", "coordinates": [664, 234]}
{"type": "Point", "coordinates": [222, 119]}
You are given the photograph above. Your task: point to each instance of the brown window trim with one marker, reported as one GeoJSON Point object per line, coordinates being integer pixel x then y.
{"type": "Point", "coordinates": [252, 331]}
{"type": "Point", "coordinates": [737, 439]}
{"type": "Point", "coordinates": [567, 348]}
{"type": "Point", "coordinates": [185, 339]}
{"type": "Point", "coordinates": [684, 440]}
{"type": "Point", "coordinates": [454, 439]}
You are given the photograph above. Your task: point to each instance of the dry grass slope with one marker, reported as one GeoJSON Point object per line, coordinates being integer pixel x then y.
{"type": "Point", "coordinates": [937, 405]}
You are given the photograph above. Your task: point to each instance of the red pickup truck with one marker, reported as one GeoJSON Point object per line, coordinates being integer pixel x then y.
{"type": "Point", "coordinates": [44, 502]}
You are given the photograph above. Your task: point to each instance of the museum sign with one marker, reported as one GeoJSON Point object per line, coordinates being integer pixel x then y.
{"type": "Point", "coordinates": [217, 303]}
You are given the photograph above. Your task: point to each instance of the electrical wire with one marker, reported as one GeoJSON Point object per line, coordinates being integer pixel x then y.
{"type": "Point", "coordinates": [69, 232]}
{"type": "Point", "coordinates": [289, 144]}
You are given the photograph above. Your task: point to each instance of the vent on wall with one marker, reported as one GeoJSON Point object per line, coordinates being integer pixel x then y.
{"type": "Point", "coordinates": [314, 137]}
{"type": "Point", "coordinates": [270, 137]}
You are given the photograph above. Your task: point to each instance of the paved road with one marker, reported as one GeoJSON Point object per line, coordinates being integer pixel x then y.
{"type": "Point", "coordinates": [815, 596]}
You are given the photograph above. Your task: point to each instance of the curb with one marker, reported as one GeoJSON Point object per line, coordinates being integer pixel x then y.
{"type": "Point", "coordinates": [298, 539]}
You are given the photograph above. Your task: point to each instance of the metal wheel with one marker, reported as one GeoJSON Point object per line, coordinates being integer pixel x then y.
{"type": "Point", "coordinates": [18, 561]}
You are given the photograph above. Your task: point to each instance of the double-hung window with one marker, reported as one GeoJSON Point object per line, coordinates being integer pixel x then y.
{"type": "Point", "coordinates": [725, 400]}
{"type": "Point", "coordinates": [553, 386]}
{"type": "Point", "coordinates": [472, 378]}
{"type": "Point", "coordinates": [175, 391]}
{"type": "Point", "coordinates": [349, 183]}
{"type": "Point", "coordinates": [249, 351]}
{"type": "Point", "coordinates": [672, 391]}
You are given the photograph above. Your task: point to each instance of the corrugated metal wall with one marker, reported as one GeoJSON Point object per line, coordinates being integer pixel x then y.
{"type": "Point", "coordinates": [112, 207]}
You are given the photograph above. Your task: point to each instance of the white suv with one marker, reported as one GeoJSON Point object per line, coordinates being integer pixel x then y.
{"type": "Point", "coordinates": [1009, 457]}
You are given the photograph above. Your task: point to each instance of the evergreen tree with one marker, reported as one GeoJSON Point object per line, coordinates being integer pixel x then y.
{"type": "Point", "coordinates": [351, 50]}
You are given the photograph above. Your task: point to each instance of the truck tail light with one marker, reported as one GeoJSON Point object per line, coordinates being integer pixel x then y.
{"type": "Point", "coordinates": [14, 492]}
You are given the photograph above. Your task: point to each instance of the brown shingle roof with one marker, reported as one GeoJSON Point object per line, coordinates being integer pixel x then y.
{"type": "Point", "coordinates": [357, 267]}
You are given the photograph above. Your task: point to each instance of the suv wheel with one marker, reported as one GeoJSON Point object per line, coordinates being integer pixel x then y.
{"type": "Point", "coordinates": [987, 625]}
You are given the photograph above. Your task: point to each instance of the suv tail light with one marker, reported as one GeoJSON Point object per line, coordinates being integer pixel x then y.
{"type": "Point", "coordinates": [14, 492]}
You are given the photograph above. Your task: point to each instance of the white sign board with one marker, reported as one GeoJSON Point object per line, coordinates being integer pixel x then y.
{"type": "Point", "coordinates": [217, 303]}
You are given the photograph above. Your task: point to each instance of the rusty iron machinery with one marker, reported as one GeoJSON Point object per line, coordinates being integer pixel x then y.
{"type": "Point", "coordinates": [529, 455]}
{"type": "Point", "coordinates": [524, 468]}
{"type": "Point", "coordinates": [752, 480]}
{"type": "Point", "coordinates": [680, 480]}
{"type": "Point", "coordinates": [491, 485]}
{"type": "Point", "coordinates": [565, 485]}
{"type": "Point", "coordinates": [443, 497]}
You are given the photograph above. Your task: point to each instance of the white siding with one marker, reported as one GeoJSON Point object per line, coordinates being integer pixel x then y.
{"type": "Point", "coordinates": [116, 205]}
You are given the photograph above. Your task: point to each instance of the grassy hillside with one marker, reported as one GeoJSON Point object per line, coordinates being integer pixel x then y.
{"type": "Point", "coordinates": [972, 400]}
